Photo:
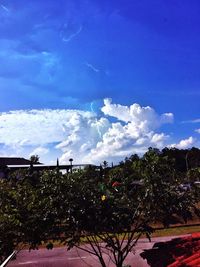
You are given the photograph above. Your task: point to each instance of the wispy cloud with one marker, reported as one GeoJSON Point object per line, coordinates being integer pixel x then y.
{"type": "Point", "coordinates": [5, 8]}
{"type": "Point", "coordinates": [192, 121]}
{"type": "Point", "coordinates": [92, 67]}
{"type": "Point", "coordinates": [39, 151]}
{"type": "Point", "coordinates": [73, 35]}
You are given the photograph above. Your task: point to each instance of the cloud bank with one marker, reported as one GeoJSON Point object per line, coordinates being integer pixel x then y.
{"type": "Point", "coordinates": [185, 143]}
{"type": "Point", "coordinates": [85, 136]}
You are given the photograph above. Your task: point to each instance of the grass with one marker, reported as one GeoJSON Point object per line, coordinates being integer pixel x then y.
{"type": "Point", "coordinates": [173, 231]}
{"type": "Point", "coordinates": [183, 230]}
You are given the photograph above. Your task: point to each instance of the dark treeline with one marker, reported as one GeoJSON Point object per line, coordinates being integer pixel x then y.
{"type": "Point", "coordinates": [185, 162]}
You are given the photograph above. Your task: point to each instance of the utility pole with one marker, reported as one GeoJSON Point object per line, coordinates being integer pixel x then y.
{"type": "Point", "coordinates": [186, 161]}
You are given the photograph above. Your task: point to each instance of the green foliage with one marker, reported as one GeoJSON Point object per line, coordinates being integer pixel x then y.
{"type": "Point", "coordinates": [26, 211]}
{"type": "Point", "coordinates": [166, 202]}
{"type": "Point", "coordinates": [110, 206]}
{"type": "Point", "coordinates": [34, 159]}
{"type": "Point", "coordinates": [185, 159]}
{"type": "Point", "coordinates": [193, 175]}
{"type": "Point", "coordinates": [105, 214]}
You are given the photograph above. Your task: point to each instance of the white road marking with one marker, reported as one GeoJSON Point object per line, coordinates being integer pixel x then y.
{"type": "Point", "coordinates": [71, 259]}
{"type": "Point", "coordinates": [76, 258]}
{"type": "Point", "coordinates": [27, 262]}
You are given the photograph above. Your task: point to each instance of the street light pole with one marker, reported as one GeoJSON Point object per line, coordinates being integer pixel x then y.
{"type": "Point", "coordinates": [71, 160]}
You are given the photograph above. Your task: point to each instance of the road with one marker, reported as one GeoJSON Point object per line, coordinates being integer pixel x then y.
{"type": "Point", "coordinates": [60, 257]}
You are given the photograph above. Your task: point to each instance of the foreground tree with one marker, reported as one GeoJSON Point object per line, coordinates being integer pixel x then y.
{"type": "Point", "coordinates": [91, 211]}
{"type": "Point", "coordinates": [104, 217]}
{"type": "Point", "coordinates": [108, 217]}
{"type": "Point", "coordinates": [25, 215]}
{"type": "Point", "coordinates": [76, 209]}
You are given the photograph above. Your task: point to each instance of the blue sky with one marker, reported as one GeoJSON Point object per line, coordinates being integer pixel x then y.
{"type": "Point", "coordinates": [59, 56]}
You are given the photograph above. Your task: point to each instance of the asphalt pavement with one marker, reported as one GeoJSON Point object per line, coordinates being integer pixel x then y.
{"type": "Point", "coordinates": [60, 257]}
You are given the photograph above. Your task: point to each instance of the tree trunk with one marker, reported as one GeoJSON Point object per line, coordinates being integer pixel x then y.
{"type": "Point", "coordinates": [102, 262]}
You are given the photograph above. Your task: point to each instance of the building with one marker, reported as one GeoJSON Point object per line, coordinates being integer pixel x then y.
{"type": "Point", "coordinates": [10, 164]}
{"type": "Point", "coordinates": [5, 161]}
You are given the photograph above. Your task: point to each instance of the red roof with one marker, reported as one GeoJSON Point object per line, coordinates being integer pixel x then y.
{"type": "Point", "coordinates": [179, 252]}
{"type": "Point", "coordinates": [189, 257]}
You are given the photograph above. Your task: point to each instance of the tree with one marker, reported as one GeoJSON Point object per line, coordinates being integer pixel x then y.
{"type": "Point", "coordinates": [193, 175]}
{"type": "Point", "coordinates": [166, 202]}
{"type": "Point", "coordinates": [69, 208]}
{"type": "Point", "coordinates": [185, 159]}
{"type": "Point", "coordinates": [89, 211]}
{"type": "Point", "coordinates": [34, 159]}
{"type": "Point", "coordinates": [26, 215]}
{"type": "Point", "coordinates": [128, 166]}
{"type": "Point", "coordinates": [110, 221]}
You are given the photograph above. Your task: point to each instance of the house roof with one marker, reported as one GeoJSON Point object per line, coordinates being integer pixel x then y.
{"type": "Point", "coordinates": [4, 161]}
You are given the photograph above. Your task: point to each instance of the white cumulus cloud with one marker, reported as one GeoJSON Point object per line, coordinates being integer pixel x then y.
{"type": "Point", "coordinates": [142, 116]}
{"type": "Point", "coordinates": [38, 127]}
{"type": "Point", "coordinates": [134, 135]}
{"type": "Point", "coordinates": [83, 135]}
{"type": "Point", "coordinates": [185, 143]}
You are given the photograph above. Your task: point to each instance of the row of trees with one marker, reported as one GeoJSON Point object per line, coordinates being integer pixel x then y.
{"type": "Point", "coordinates": [185, 162]}
{"type": "Point", "coordinates": [99, 211]}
